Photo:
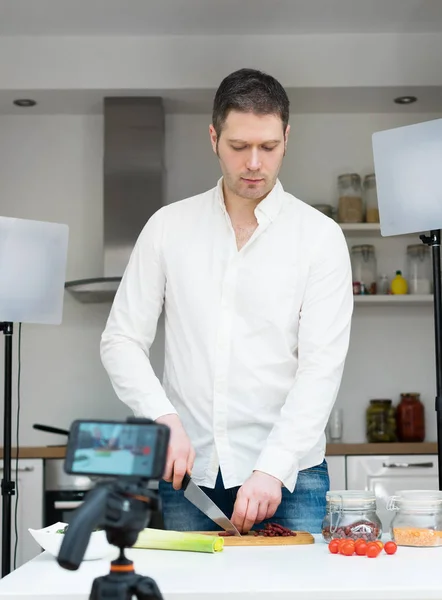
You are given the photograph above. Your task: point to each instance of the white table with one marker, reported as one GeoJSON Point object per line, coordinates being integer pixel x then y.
{"type": "Point", "coordinates": [266, 573]}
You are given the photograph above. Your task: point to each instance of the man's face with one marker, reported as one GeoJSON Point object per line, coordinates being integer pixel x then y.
{"type": "Point", "coordinates": [250, 150]}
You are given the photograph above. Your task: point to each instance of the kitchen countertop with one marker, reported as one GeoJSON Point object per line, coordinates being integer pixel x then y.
{"type": "Point", "coordinates": [384, 448]}
{"type": "Point", "coordinates": [244, 573]}
{"type": "Point", "coordinates": [337, 449]}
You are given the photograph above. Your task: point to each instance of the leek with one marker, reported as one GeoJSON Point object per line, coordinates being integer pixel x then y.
{"type": "Point", "coordinates": [159, 539]}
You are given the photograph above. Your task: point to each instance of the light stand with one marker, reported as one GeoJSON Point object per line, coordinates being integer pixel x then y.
{"type": "Point", "coordinates": [32, 275]}
{"type": "Point", "coordinates": [8, 486]}
{"type": "Point", "coordinates": [407, 166]}
{"type": "Point", "coordinates": [433, 240]}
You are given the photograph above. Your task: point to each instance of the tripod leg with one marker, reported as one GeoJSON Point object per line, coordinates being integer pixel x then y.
{"type": "Point", "coordinates": [147, 589]}
{"type": "Point", "coordinates": [124, 586]}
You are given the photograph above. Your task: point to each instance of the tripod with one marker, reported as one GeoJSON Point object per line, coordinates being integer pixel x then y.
{"type": "Point", "coordinates": [122, 508]}
{"type": "Point", "coordinates": [122, 583]}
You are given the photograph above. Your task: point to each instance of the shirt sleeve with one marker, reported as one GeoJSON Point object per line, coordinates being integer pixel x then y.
{"type": "Point", "coordinates": [132, 324]}
{"type": "Point", "coordinates": [324, 332]}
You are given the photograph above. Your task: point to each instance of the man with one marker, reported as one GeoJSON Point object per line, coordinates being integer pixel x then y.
{"type": "Point", "coordinates": [257, 292]}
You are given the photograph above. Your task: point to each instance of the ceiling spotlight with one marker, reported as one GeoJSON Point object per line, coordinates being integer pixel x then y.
{"type": "Point", "coordinates": [25, 102]}
{"type": "Point", "coordinates": [405, 99]}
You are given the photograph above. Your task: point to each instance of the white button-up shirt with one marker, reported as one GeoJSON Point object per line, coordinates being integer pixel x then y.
{"type": "Point", "coordinates": [256, 339]}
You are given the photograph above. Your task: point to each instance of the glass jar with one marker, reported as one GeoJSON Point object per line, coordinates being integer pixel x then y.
{"type": "Point", "coordinates": [419, 269]}
{"type": "Point", "coordinates": [371, 199]}
{"type": "Point", "coordinates": [418, 518]}
{"type": "Point", "coordinates": [326, 209]}
{"type": "Point", "coordinates": [380, 422]}
{"type": "Point", "coordinates": [410, 418]}
{"type": "Point", "coordinates": [363, 264]}
{"type": "Point", "coordinates": [383, 286]}
{"type": "Point", "coordinates": [350, 207]}
{"type": "Point", "coordinates": [351, 514]}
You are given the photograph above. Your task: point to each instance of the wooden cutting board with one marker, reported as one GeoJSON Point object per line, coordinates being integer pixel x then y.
{"type": "Point", "coordinates": [250, 539]}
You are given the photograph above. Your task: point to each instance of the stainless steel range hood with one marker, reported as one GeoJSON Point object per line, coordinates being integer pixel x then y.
{"type": "Point", "coordinates": [133, 187]}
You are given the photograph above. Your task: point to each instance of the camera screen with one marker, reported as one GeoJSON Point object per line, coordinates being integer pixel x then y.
{"type": "Point", "coordinates": [113, 449]}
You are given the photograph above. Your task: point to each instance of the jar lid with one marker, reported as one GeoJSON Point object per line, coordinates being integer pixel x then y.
{"type": "Point", "coordinates": [418, 500]}
{"type": "Point", "coordinates": [350, 177]}
{"type": "Point", "coordinates": [381, 401]}
{"type": "Point", "coordinates": [370, 180]}
{"type": "Point", "coordinates": [418, 249]}
{"type": "Point", "coordinates": [363, 248]}
{"type": "Point", "coordinates": [350, 497]}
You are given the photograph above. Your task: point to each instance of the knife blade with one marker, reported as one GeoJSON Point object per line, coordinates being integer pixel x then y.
{"type": "Point", "coordinates": [198, 498]}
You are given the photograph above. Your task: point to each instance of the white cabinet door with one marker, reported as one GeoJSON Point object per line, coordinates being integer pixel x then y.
{"type": "Point", "coordinates": [29, 481]}
{"type": "Point", "coordinates": [386, 475]}
{"type": "Point", "coordinates": [336, 471]}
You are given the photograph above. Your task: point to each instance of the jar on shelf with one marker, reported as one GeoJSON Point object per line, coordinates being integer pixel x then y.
{"type": "Point", "coordinates": [371, 199]}
{"type": "Point", "coordinates": [326, 209]}
{"type": "Point", "coordinates": [363, 264]}
{"type": "Point", "coordinates": [383, 286]}
{"type": "Point", "coordinates": [380, 421]}
{"type": "Point", "coordinates": [418, 518]}
{"type": "Point", "coordinates": [350, 206]}
{"type": "Point", "coordinates": [410, 418]}
{"type": "Point", "coordinates": [351, 514]}
{"type": "Point", "coordinates": [419, 269]}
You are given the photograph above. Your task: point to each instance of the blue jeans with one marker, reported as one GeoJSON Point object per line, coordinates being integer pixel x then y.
{"type": "Point", "coordinates": [302, 510]}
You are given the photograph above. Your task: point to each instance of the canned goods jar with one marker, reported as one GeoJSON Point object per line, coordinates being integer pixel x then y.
{"type": "Point", "coordinates": [410, 418]}
{"type": "Point", "coordinates": [351, 514]}
{"type": "Point", "coordinates": [419, 269]}
{"type": "Point", "coordinates": [364, 269]}
{"type": "Point", "coordinates": [350, 206]}
{"type": "Point", "coordinates": [418, 518]}
{"type": "Point", "coordinates": [371, 199]}
{"type": "Point", "coordinates": [380, 420]}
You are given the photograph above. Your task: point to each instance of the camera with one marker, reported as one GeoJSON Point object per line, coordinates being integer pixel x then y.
{"type": "Point", "coordinates": [124, 456]}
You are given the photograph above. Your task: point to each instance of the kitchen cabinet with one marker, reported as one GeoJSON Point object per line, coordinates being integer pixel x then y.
{"type": "Point", "coordinates": [29, 483]}
{"type": "Point", "coordinates": [386, 475]}
{"type": "Point", "coordinates": [337, 472]}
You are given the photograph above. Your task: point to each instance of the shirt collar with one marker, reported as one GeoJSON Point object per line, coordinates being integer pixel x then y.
{"type": "Point", "coordinates": [269, 207]}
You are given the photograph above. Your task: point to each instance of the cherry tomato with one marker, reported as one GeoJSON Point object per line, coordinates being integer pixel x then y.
{"type": "Point", "coordinates": [361, 548]}
{"type": "Point", "coordinates": [373, 545]}
{"type": "Point", "coordinates": [347, 549]}
{"type": "Point", "coordinates": [380, 544]}
{"type": "Point", "coordinates": [360, 541]}
{"type": "Point", "coordinates": [390, 547]}
{"type": "Point", "coordinates": [334, 546]}
{"type": "Point", "coordinates": [373, 551]}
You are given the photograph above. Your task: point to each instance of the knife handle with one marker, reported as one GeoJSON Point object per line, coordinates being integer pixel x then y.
{"type": "Point", "coordinates": [186, 481]}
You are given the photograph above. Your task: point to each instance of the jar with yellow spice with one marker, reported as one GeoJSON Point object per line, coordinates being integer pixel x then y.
{"type": "Point", "coordinates": [418, 518]}
{"type": "Point", "coordinates": [381, 421]}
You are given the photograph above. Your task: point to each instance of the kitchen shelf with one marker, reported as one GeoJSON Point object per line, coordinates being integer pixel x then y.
{"type": "Point", "coordinates": [360, 229]}
{"type": "Point", "coordinates": [370, 229]}
{"type": "Point", "coordinates": [395, 300]}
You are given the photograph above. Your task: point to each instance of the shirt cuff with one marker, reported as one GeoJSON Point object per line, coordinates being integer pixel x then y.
{"type": "Point", "coordinates": [281, 465]}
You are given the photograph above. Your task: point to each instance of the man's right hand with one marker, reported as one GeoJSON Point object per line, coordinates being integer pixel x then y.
{"type": "Point", "coordinates": [180, 454]}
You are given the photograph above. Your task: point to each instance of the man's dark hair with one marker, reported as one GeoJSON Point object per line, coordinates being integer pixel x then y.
{"type": "Point", "coordinates": [248, 90]}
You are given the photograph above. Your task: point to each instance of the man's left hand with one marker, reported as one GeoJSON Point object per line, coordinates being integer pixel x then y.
{"type": "Point", "coordinates": [257, 500]}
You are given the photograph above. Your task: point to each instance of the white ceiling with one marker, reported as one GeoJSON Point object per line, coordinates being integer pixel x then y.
{"type": "Point", "coordinates": [302, 100]}
{"type": "Point", "coordinates": [212, 17]}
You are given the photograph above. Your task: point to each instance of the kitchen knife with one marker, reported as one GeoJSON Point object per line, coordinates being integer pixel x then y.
{"type": "Point", "coordinates": [198, 498]}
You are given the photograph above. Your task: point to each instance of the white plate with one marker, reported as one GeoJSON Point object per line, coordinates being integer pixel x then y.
{"type": "Point", "coordinates": [49, 540]}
